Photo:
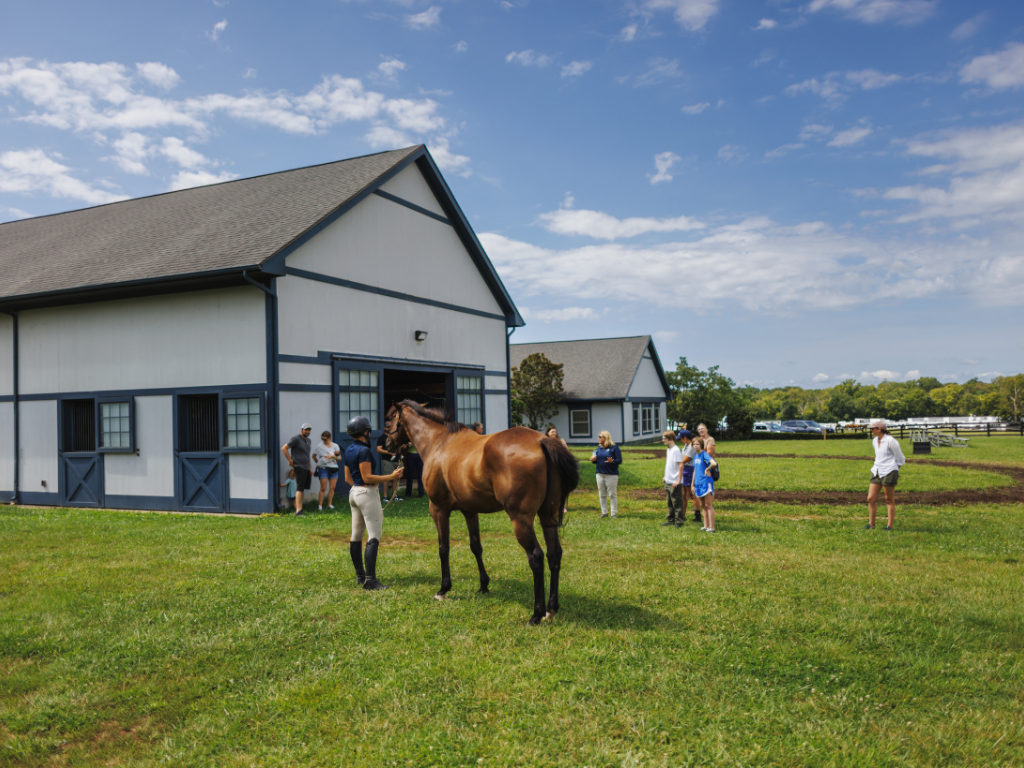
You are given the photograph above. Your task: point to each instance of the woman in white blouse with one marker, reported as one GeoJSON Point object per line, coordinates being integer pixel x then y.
{"type": "Point", "coordinates": [885, 472]}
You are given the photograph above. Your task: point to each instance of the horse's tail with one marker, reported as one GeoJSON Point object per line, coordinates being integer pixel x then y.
{"type": "Point", "coordinates": [562, 463]}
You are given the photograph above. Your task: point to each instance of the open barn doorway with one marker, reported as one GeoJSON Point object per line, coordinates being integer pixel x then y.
{"type": "Point", "coordinates": [425, 387]}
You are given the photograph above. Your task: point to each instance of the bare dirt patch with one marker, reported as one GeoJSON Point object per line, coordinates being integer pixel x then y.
{"type": "Point", "coordinates": [1013, 494]}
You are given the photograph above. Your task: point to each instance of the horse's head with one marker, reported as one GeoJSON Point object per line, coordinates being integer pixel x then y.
{"type": "Point", "coordinates": [394, 430]}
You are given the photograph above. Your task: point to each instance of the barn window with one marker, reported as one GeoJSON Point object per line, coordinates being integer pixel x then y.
{"type": "Point", "coordinates": [115, 422]}
{"type": "Point", "coordinates": [636, 418]}
{"type": "Point", "coordinates": [358, 395]}
{"type": "Point", "coordinates": [657, 417]}
{"type": "Point", "coordinates": [78, 426]}
{"type": "Point", "coordinates": [469, 396]}
{"type": "Point", "coordinates": [243, 424]}
{"type": "Point", "coordinates": [579, 422]}
{"type": "Point", "coordinates": [648, 415]}
{"type": "Point", "coordinates": [198, 424]}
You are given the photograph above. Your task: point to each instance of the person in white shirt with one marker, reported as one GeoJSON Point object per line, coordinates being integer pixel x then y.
{"type": "Point", "coordinates": [885, 472]}
{"type": "Point", "coordinates": [673, 480]}
{"type": "Point", "coordinates": [325, 457]}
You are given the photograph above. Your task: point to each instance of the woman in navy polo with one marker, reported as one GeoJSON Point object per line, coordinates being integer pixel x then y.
{"type": "Point", "coordinates": [607, 457]}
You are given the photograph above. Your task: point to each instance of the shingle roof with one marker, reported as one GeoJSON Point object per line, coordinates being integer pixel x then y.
{"type": "Point", "coordinates": [594, 369]}
{"type": "Point", "coordinates": [207, 229]}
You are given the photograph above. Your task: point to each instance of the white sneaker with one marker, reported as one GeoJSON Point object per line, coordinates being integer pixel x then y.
{"type": "Point", "coordinates": [320, 509]}
{"type": "Point", "coordinates": [703, 529]}
{"type": "Point", "coordinates": [604, 514]}
{"type": "Point", "coordinates": [330, 506]}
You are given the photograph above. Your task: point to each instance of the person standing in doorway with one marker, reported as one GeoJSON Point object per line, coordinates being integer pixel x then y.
{"type": "Point", "coordinates": [885, 472]}
{"type": "Point", "coordinates": [413, 471]}
{"type": "Point", "coordinates": [326, 455]}
{"type": "Point", "coordinates": [685, 437]}
{"type": "Point", "coordinates": [673, 480]}
{"type": "Point", "coordinates": [367, 514]}
{"type": "Point", "coordinates": [607, 457]}
{"type": "Point", "coordinates": [388, 464]}
{"type": "Point", "coordinates": [297, 452]}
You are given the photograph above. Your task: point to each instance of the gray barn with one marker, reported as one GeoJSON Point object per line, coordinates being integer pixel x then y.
{"type": "Point", "coordinates": [156, 353]}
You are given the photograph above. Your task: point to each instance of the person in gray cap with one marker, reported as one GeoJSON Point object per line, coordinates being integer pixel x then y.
{"type": "Point", "coordinates": [885, 472]}
{"type": "Point", "coordinates": [297, 451]}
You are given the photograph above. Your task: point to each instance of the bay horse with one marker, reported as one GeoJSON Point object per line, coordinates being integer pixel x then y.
{"type": "Point", "coordinates": [518, 470]}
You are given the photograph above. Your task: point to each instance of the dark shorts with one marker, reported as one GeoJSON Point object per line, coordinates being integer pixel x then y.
{"type": "Point", "coordinates": [302, 479]}
{"type": "Point", "coordinates": [889, 479]}
{"type": "Point", "coordinates": [327, 473]}
{"type": "Point", "coordinates": [687, 478]}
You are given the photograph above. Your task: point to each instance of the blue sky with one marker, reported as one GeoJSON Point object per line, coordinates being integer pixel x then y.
{"type": "Point", "coordinates": [796, 192]}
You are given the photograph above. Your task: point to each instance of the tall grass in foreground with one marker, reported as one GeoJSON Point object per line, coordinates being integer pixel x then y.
{"type": "Point", "coordinates": [793, 637]}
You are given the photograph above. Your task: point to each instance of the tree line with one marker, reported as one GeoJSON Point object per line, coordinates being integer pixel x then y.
{"type": "Point", "coordinates": [710, 396]}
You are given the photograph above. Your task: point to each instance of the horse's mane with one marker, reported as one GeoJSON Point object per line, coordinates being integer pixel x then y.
{"type": "Point", "coordinates": [436, 415]}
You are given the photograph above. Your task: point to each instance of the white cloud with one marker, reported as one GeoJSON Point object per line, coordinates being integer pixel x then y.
{"type": "Point", "coordinates": [219, 27]}
{"type": "Point", "coordinates": [628, 34]}
{"type": "Point", "coordinates": [461, 47]}
{"type": "Point", "coordinates": [852, 136]}
{"type": "Point", "coordinates": [882, 375]}
{"type": "Point", "coordinates": [878, 11]}
{"type": "Point", "coordinates": [390, 67]}
{"type": "Point", "coordinates": [696, 109]}
{"type": "Point", "coordinates": [189, 179]}
{"type": "Point", "coordinates": [765, 57]}
{"type": "Point", "coordinates": [418, 115]}
{"type": "Point", "coordinates": [558, 315]}
{"type": "Point", "coordinates": [661, 70]}
{"type": "Point", "coordinates": [384, 136]}
{"type": "Point", "coordinates": [131, 150]}
{"type": "Point", "coordinates": [821, 377]}
{"type": "Point", "coordinates": [997, 70]}
{"type": "Point", "coordinates": [911, 375]}
{"type": "Point", "coordinates": [731, 153]}
{"type": "Point", "coordinates": [692, 15]}
{"type": "Point", "coordinates": [250, 73]}
{"type": "Point", "coordinates": [174, 149]}
{"type": "Point", "coordinates": [870, 79]}
{"type": "Point", "coordinates": [576, 68]}
{"type": "Point", "coordinates": [766, 24]}
{"type": "Point", "coordinates": [969, 28]}
{"type": "Point", "coordinates": [32, 170]}
{"type": "Point", "coordinates": [663, 161]}
{"type": "Point", "coordinates": [785, 149]}
{"type": "Point", "coordinates": [158, 74]}
{"type": "Point", "coordinates": [828, 89]}
{"type": "Point", "coordinates": [447, 160]}
{"type": "Point", "coordinates": [16, 213]}
{"type": "Point", "coordinates": [528, 58]}
{"type": "Point", "coordinates": [814, 131]}
{"type": "Point", "coordinates": [602, 226]}
{"type": "Point", "coordinates": [429, 18]}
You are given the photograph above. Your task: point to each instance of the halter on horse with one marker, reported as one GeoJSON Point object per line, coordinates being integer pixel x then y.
{"type": "Point", "coordinates": [518, 470]}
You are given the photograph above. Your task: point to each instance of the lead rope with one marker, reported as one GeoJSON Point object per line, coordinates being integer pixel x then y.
{"type": "Point", "coordinates": [394, 494]}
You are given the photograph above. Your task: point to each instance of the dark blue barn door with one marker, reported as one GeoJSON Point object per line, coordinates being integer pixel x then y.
{"type": "Point", "coordinates": [202, 482]}
{"type": "Point", "coordinates": [82, 480]}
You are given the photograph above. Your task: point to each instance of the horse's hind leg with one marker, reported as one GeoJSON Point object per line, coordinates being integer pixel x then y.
{"type": "Point", "coordinates": [554, 563]}
{"type": "Point", "coordinates": [535, 556]}
{"type": "Point", "coordinates": [473, 524]}
{"type": "Point", "coordinates": [441, 522]}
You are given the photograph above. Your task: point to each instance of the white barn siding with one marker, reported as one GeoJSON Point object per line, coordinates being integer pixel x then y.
{"type": "Point", "coordinates": [150, 472]}
{"type": "Point", "coordinates": [6, 450]}
{"type": "Point", "coordinates": [247, 475]}
{"type": "Point", "coordinates": [410, 185]}
{"type": "Point", "coordinates": [647, 384]}
{"type": "Point", "coordinates": [387, 245]}
{"type": "Point", "coordinates": [606, 416]}
{"type": "Point", "coordinates": [38, 454]}
{"type": "Point", "coordinates": [496, 413]}
{"type": "Point", "coordinates": [301, 373]}
{"type": "Point", "coordinates": [379, 326]}
{"type": "Point", "coordinates": [6, 355]}
{"type": "Point", "coordinates": [205, 338]}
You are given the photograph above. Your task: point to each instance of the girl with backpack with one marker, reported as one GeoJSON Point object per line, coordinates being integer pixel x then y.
{"type": "Point", "coordinates": [703, 485]}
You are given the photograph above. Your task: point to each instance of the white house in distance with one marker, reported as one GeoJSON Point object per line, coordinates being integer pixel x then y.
{"type": "Point", "coordinates": [156, 353]}
{"type": "Point", "coordinates": [613, 385]}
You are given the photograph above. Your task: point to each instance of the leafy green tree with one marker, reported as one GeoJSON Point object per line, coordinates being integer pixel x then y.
{"type": "Point", "coordinates": [537, 387]}
{"type": "Point", "coordinates": [1011, 396]}
{"type": "Point", "coordinates": [707, 397]}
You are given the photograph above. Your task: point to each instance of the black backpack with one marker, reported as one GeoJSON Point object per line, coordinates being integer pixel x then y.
{"type": "Point", "coordinates": [714, 470]}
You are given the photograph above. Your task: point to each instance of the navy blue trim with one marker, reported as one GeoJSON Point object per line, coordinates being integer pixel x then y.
{"type": "Point", "coordinates": [590, 420]}
{"type": "Point", "coordinates": [306, 388]}
{"type": "Point", "coordinates": [397, 363]}
{"type": "Point", "coordinates": [250, 506]}
{"type": "Point", "coordinates": [6, 399]}
{"type": "Point", "coordinates": [413, 206]}
{"type": "Point", "coordinates": [131, 423]}
{"type": "Point", "coordinates": [591, 400]}
{"type": "Point", "coordinates": [274, 401]}
{"type": "Point", "coordinates": [262, 395]}
{"type": "Point", "coordinates": [155, 503]}
{"type": "Point", "coordinates": [508, 373]}
{"type": "Point", "coordinates": [645, 400]}
{"type": "Point", "coordinates": [445, 198]}
{"type": "Point", "coordinates": [504, 374]}
{"type": "Point", "coordinates": [495, 391]}
{"type": "Point", "coordinates": [389, 293]}
{"type": "Point", "coordinates": [14, 399]}
{"type": "Point", "coordinates": [43, 499]}
{"type": "Point", "coordinates": [146, 392]}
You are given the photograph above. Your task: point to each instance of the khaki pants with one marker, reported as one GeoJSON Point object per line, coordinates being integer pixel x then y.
{"type": "Point", "coordinates": [608, 491]}
{"type": "Point", "coordinates": [676, 505]}
{"type": "Point", "coordinates": [367, 514]}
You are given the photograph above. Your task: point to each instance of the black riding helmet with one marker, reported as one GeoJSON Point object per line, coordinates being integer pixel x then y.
{"type": "Point", "coordinates": [358, 426]}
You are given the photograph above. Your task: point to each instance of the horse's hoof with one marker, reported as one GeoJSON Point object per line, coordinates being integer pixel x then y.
{"type": "Point", "coordinates": [483, 591]}
{"type": "Point", "coordinates": [534, 621]}
{"type": "Point", "coordinates": [440, 596]}
{"type": "Point", "coordinates": [549, 616]}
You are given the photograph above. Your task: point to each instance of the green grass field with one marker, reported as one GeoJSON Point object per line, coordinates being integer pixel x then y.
{"type": "Point", "coordinates": [791, 638]}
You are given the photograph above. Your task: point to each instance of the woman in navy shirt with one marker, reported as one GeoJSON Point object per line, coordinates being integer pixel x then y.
{"type": "Point", "coordinates": [607, 457]}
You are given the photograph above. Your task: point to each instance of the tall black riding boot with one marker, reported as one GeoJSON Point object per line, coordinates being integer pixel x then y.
{"type": "Point", "coordinates": [371, 566]}
{"type": "Point", "coordinates": [355, 548]}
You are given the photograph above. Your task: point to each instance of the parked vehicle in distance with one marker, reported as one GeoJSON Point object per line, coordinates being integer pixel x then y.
{"type": "Point", "coordinates": [760, 426]}
{"type": "Point", "coordinates": [801, 426]}
{"type": "Point", "coordinates": [779, 429]}
{"type": "Point", "coordinates": [820, 427]}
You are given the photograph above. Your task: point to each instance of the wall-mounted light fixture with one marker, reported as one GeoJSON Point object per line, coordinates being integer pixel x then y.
{"type": "Point", "coordinates": [420, 335]}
